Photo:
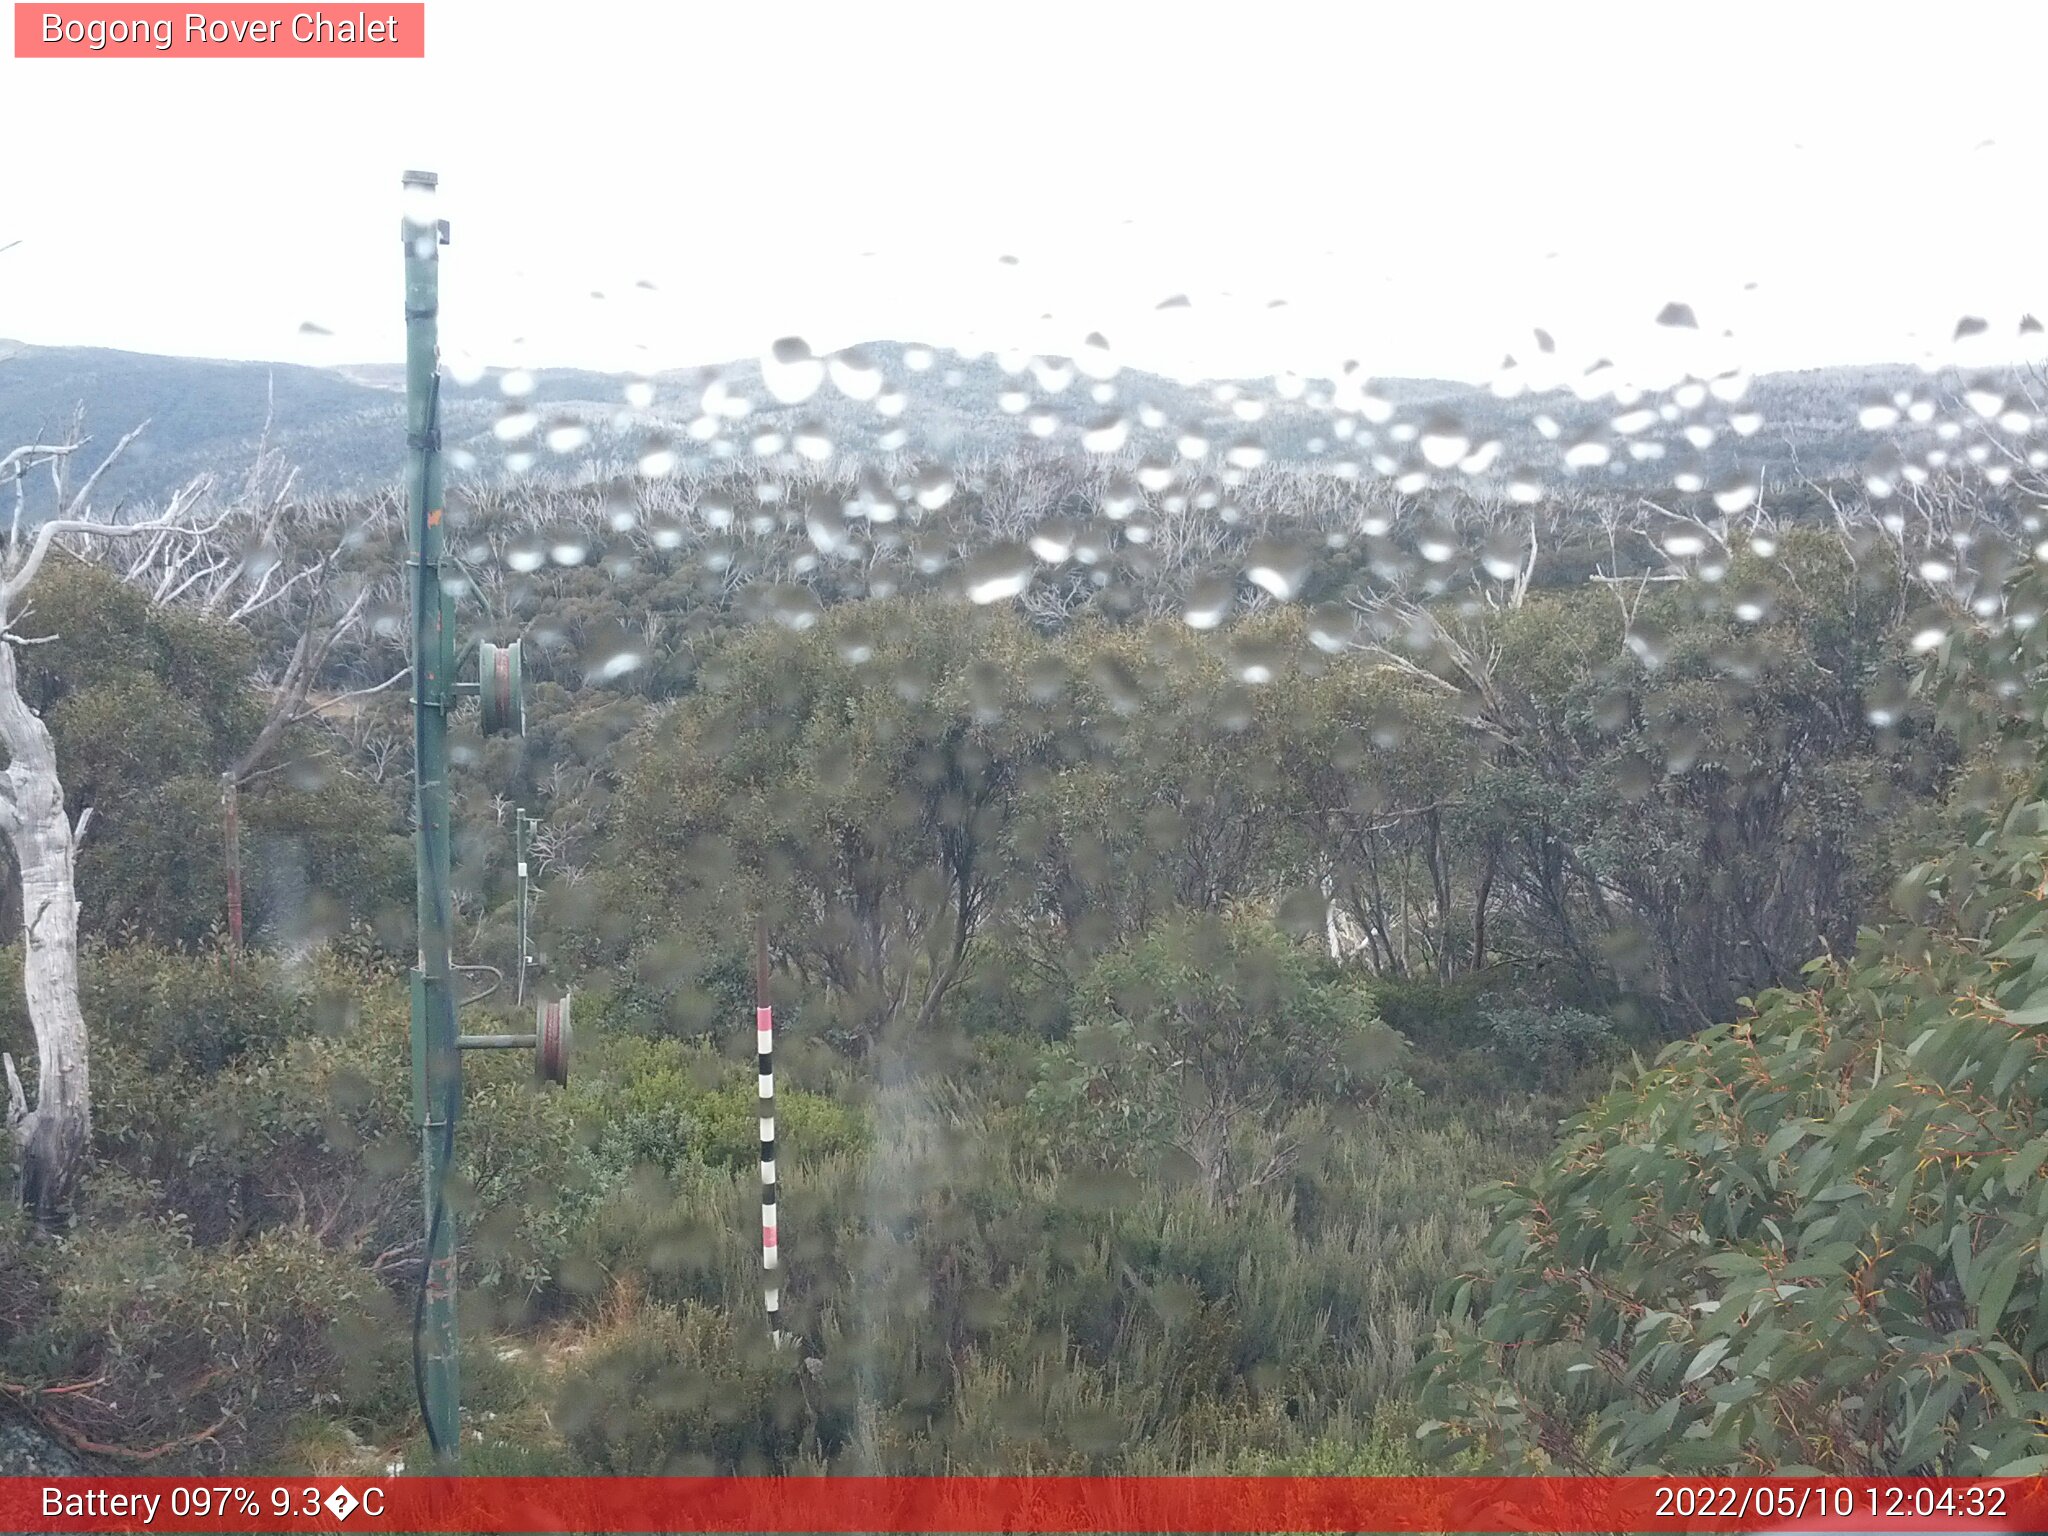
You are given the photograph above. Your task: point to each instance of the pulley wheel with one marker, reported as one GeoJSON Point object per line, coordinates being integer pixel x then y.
{"type": "Point", "coordinates": [552, 1042]}
{"type": "Point", "coordinates": [501, 689]}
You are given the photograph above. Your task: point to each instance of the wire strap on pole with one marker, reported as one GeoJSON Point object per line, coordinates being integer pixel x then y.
{"type": "Point", "coordinates": [764, 1045]}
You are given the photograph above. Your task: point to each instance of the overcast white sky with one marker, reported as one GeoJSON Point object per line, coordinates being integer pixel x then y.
{"type": "Point", "coordinates": [1421, 183]}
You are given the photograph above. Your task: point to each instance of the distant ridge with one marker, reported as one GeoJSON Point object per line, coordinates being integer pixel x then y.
{"type": "Point", "coordinates": [344, 426]}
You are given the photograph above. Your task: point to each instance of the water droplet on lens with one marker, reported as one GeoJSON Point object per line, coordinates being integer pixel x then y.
{"type": "Point", "coordinates": [1437, 542]}
{"type": "Point", "coordinates": [1735, 492]}
{"type": "Point", "coordinates": [1256, 662]}
{"type": "Point", "coordinates": [514, 425]}
{"type": "Point", "coordinates": [1443, 441]}
{"type": "Point", "coordinates": [1154, 473]}
{"type": "Point", "coordinates": [1245, 453]}
{"type": "Point", "coordinates": [611, 659]}
{"type": "Point", "coordinates": [1985, 398]}
{"type": "Point", "coordinates": [1589, 452]}
{"type": "Point", "coordinates": [1053, 374]}
{"type": "Point", "coordinates": [1730, 386]}
{"type": "Point", "coordinates": [1107, 435]}
{"type": "Point", "coordinates": [791, 606]}
{"type": "Point", "coordinates": [812, 443]}
{"type": "Point", "coordinates": [1095, 360]}
{"type": "Point", "coordinates": [1330, 627]}
{"type": "Point", "coordinates": [789, 371]}
{"type": "Point", "coordinates": [1503, 554]}
{"type": "Point", "coordinates": [999, 573]}
{"type": "Point", "coordinates": [855, 647]}
{"type": "Point", "coordinates": [826, 526]}
{"type": "Point", "coordinates": [1053, 540]}
{"type": "Point", "coordinates": [1883, 470]}
{"type": "Point", "coordinates": [1752, 604]}
{"type": "Point", "coordinates": [1208, 602]}
{"type": "Point", "coordinates": [566, 436]}
{"type": "Point", "coordinates": [1278, 567]}
{"type": "Point", "coordinates": [855, 375]}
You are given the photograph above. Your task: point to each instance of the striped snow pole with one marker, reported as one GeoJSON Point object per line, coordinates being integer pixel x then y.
{"type": "Point", "coordinates": [764, 1044]}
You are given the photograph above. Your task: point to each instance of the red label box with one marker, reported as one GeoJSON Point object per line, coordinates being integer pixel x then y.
{"type": "Point", "coordinates": [373, 30]}
{"type": "Point", "coordinates": [1074, 1506]}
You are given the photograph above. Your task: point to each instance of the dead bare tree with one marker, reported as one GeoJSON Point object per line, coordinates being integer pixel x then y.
{"type": "Point", "coordinates": [277, 561]}
{"type": "Point", "coordinates": [53, 1134]}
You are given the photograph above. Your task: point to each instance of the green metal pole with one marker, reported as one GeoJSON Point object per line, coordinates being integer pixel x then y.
{"type": "Point", "coordinates": [437, 1063]}
{"type": "Point", "coordinates": [519, 842]}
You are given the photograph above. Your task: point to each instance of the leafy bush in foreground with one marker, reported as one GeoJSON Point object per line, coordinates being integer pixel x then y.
{"type": "Point", "coordinates": [1811, 1239]}
{"type": "Point", "coordinates": [135, 1342]}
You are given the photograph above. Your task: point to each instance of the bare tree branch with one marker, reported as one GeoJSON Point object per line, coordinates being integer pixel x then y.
{"type": "Point", "coordinates": [174, 519]}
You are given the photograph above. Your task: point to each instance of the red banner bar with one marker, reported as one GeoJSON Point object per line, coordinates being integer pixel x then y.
{"type": "Point", "coordinates": [991, 1504]}
{"type": "Point", "coordinates": [369, 29]}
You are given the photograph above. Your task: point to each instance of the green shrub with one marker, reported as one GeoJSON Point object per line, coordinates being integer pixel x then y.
{"type": "Point", "coordinates": [1546, 1045]}
{"type": "Point", "coordinates": [678, 989]}
{"type": "Point", "coordinates": [662, 1104]}
{"type": "Point", "coordinates": [1807, 1239]}
{"type": "Point", "coordinates": [1120, 1299]}
{"type": "Point", "coordinates": [1433, 1016]}
{"type": "Point", "coordinates": [204, 1354]}
{"type": "Point", "coordinates": [1006, 993]}
{"type": "Point", "coordinates": [685, 1392]}
{"type": "Point", "coordinates": [1193, 1047]}
{"type": "Point", "coordinates": [309, 1123]}
{"type": "Point", "coordinates": [176, 1011]}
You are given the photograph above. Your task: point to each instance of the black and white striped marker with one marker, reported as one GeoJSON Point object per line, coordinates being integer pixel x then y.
{"type": "Point", "coordinates": [764, 1044]}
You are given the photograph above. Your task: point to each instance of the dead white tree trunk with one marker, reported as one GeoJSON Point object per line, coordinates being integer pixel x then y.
{"type": "Point", "coordinates": [51, 1135]}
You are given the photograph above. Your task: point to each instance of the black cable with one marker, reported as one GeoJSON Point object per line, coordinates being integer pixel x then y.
{"type": "Point", "coordinates": [419, 1306]}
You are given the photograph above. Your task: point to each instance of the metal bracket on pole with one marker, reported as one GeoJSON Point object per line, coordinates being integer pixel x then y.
{"type": "Point", "coordinates": [551, 1042]}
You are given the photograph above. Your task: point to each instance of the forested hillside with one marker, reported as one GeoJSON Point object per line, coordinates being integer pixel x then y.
{"type": "Point", "coordinates": [342, 429]}
{"type": "Point", "coordinates": [1184, 889]}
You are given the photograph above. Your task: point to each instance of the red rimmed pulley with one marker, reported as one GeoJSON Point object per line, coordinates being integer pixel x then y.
{"type": "Point", "coordinates": [552, 1041]}
{"type": "Point", "coordinates": [501, 689]}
